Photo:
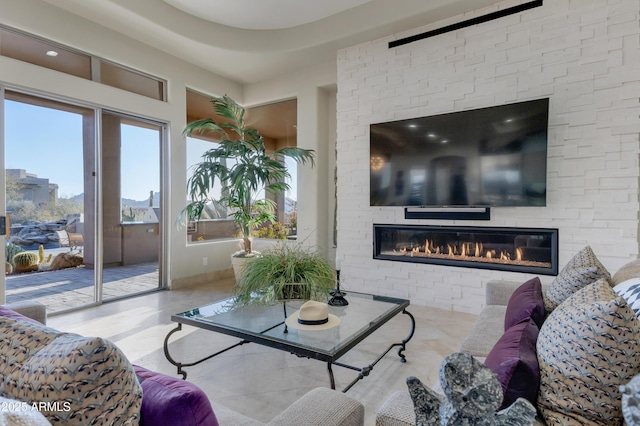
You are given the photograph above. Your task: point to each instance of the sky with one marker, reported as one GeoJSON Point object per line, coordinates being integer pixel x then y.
{"type": "Point", "coordinates": [48, 143]}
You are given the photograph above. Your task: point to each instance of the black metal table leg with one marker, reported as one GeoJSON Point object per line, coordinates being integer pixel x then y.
{"type": "Point", "coordinates": [331, 378]}
{"type": "Point", "coordinates": [181, 365]}
{"type": "Point", "coordinates": [404, 342]}
{"type": "Point", "coordinates": [166, 352]}
{"type": "Point", "coordinates": [364, 372]}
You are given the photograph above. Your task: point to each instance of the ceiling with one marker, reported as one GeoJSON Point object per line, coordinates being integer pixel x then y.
{"type": "Point", "coordinates": [266, 14]}
{"type": "Point", "coordinates": [249, 41]}
{"type": "Point", "coordinates": [276, 121]}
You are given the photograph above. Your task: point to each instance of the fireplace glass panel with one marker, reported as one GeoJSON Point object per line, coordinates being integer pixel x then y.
{"type": "Point", "coordinates": [527, 250]}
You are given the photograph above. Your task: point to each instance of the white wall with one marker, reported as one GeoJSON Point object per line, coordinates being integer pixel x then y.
{"type": "Point", "coordinates": [583, 55]}
{"type": "Point", "coordinates": [310, 87]}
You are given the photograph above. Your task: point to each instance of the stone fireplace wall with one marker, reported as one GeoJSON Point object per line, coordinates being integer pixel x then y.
{"type": "Point", "coordinates": [582, 54]}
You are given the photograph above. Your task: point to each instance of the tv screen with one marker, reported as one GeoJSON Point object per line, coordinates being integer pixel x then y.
{"type": "Point", "coordinates": [494, 156]}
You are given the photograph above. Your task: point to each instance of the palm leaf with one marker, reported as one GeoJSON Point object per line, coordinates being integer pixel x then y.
{"type": "Point", "coordinates": [300, 155]}
{"type": "Point", "coordinates": [227, 108]}
{"type": "Point", "coordinates": [206, 125]}
{"type": "Point", "coordinates": [242, 166]}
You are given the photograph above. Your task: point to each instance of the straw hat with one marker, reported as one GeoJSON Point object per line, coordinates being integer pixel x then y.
{"type": "Point", "coordinates": [312, 316]}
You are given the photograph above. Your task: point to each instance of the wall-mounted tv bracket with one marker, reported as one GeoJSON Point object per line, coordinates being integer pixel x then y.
{"type": "Point", "coordinates": [467, 23]}
{"type": "Point", "coordinates": [448, 213]}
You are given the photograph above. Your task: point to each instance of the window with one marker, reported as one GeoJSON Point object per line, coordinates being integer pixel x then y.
{"type": "Point", "coordinates": [290, 220]}
{"type": "Point", "coordinates": [139, 173]}
{"type": "Point", "coordinates": [213, 223]}
{"type": "Point", "coordinates": [130, 80]}
{"type": "Point", "coordinates": [195, 149]}
{"type": "Point", "coordinates": [277, 124]}
{"type": "Point", "coordinates": [26, 48]}
{"type": "Point", "coordinates": [34, 50]}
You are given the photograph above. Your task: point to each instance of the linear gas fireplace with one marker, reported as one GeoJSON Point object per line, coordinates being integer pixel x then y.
{"type": "Point", "coordinates": [529, 250]}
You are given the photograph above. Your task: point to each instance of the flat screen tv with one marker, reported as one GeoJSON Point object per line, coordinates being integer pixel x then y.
{"type": "Point", "coordinates": [494, 156]}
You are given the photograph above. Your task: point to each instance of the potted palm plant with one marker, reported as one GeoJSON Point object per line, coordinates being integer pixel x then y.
{"type": "Point", "coordinates": [286, 271]}
{"type": "Point", "coordinates": [241, 164]}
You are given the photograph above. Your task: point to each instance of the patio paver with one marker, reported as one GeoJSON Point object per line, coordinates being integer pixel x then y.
{"type": "Point", "coordinates": [68, 288]}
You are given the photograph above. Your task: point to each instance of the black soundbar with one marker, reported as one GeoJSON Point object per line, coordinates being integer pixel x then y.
{"type": "Point", "coordinates": [451, 213]}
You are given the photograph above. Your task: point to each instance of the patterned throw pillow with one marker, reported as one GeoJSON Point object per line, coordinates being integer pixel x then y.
{"type": "Point", "coordinates": [583, 269]}
{"type": "Point", "coordinates": [587, 348]}
{"type": "Point", "coordinates": [75, 380]}
{"type": "Point", "coordinates": [19, 340]}
{"type": "Point", "coordinates": [90, 374]}
{"type": "Point", "coordinates": [630, 291]}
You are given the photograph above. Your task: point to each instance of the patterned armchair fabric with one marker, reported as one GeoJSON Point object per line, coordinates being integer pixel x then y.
{"type": "Point", "coordinates": [74, 380]}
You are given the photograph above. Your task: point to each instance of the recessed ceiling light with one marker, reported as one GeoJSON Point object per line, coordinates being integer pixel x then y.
{"type": "Point", "coordinates": [444, 141]}
{"type": "Point", "coordinates": [413, 126]}
{"type": "Point", "coordinates": [52, 53]}
{"type": "Point", "coordinates": [431, 135]}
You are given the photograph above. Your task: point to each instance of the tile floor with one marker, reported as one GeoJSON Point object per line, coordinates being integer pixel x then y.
{"type": "Point", "coordinates": [257, 381]}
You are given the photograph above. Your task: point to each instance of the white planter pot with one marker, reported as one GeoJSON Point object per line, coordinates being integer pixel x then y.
{"type": "Point", "coordinates": [238, 265]}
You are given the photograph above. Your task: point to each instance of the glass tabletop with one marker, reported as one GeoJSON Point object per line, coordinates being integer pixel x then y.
{"type": "Point", "coordinates": [265, 323]}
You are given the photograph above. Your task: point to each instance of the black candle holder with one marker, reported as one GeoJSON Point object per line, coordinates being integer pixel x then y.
{"type": "Point", "coordinates": [337, 296]}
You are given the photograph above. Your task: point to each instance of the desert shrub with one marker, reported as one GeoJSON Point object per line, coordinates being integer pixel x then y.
{"type": "Point", "coordinates": [274, 230]}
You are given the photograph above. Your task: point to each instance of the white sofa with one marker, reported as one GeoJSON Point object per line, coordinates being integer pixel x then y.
{"type": "Point", "coordinates": [398, 410]}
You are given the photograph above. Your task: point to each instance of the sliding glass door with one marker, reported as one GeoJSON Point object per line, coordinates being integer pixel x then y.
{"type": "Point", "coordinates": [49, 155]}
{"type": "Point", "coordinates": [85, 223]}
{"type": "Point", "coordinates": [131, 204]}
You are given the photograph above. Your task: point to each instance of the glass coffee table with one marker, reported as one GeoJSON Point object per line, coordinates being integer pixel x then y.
{"type": "Point", "coordinates": [264, 324]}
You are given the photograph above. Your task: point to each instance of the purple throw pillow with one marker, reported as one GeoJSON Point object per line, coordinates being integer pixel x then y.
{"type": "Point", "coordinates": [9, 313]}
{"type": "Point", "coordinates": [515, 361]}
{"type": "Point", "coordinates": [171, 401]}
{"type": "Point", "coordinates": [525, 302]}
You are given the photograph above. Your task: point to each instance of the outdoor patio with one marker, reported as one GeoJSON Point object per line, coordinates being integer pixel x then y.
{"type": "Point", "coordinates": [69, 288]}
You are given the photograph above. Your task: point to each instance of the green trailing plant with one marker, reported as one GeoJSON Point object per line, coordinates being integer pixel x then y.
{"type": "Point", "coordinates": [286, 271]}
{"type": "Point", "coordinates": [243, 167]}
{"type": "Point", "coordinates": [26, 261]}
{"type": "Point", "coordinates": [11, 250]}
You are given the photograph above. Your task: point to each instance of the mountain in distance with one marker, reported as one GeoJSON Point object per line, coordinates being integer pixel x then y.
{"type": "Point", "coordinates": [289, 204]}
{"type": "Point", "coordinates": [126, 202]}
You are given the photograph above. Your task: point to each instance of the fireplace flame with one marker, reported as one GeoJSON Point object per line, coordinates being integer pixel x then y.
{"type": "Point", "coordinates": [469, 251]}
